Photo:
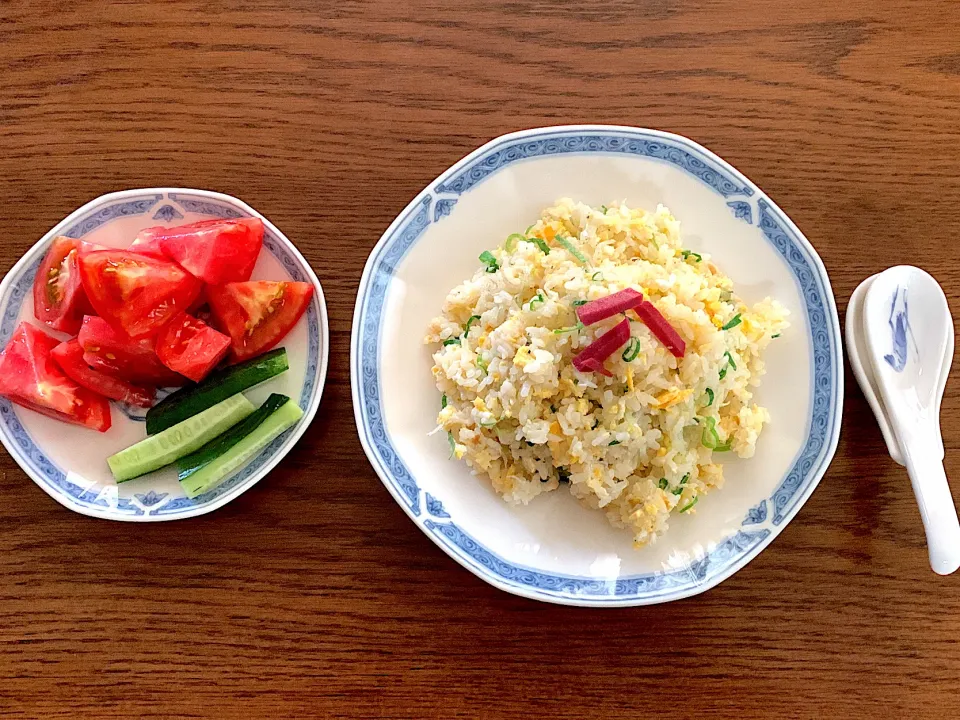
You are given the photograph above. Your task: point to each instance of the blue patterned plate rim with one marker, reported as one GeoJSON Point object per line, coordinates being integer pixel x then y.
{"type": "Point", "coordinates": [761, 525]}
{"type": "Point", "coordinates": [150, 506]}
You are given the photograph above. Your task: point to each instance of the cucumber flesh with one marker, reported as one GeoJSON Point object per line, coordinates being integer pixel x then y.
{"type": "Point", "coordinates": [215, 472]}
{"type": "Point", "coordinates": [217, 387]}
{"type": "Point", "coordinates": [182, 439]}
{"type": "Point", "coordinates": [189, 464]}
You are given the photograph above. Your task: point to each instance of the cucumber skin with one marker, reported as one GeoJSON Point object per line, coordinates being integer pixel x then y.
{"type": "Point", "coordinates": [189, 464]}
{"type": "Point", "coordinates": [123, 469]}
{"type": "Point", "coordinates": [218, 386]}
{"type": "Point", "coordinates": [212, 474]}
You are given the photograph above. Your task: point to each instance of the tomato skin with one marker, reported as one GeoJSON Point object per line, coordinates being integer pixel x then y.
{"type": "Point", "coordinates": [190, 347]}
{"type": "Point", "coordinates": [111, 352]}
{"type": "Point", "coordinates": [258, 315]}
{"type": "Point", "coordinates": [146, 244]}
{"type": "Point", "coordinates": [30, 377]}
{"type": "Point", "coordinates": [59, 300]}
{"type": "Point", "coordinates": [69, 356]}
{"type": "Point", "coordinates": [136, 293]}
{"type": "Point", "coordinates": [216, 251]}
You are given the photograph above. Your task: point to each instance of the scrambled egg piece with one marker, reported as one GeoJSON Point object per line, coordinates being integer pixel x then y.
{"type": "Point", "coordinates": [523, 357]}
{"type": "Point", "coordinates": [671, 397]}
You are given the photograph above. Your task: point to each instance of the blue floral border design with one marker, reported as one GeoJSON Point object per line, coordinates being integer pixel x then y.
{"type": "Point", "coordinates": [824, 340]}
{"type": "Point", "coordinates": [625, 142]}
{"type": "Point", "coordinates": [127, 208]}
{"type": "Point", "coordinates": [53, 476]}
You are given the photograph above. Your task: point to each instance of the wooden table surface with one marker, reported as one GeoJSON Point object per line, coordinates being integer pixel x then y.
{"type": "Point", "coordinates": [313, 595]}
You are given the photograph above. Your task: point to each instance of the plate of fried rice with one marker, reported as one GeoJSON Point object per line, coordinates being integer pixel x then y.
{"type": "Point", "coordinates": [597, 365]}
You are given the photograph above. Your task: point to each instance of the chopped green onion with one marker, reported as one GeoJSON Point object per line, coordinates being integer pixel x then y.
{"type": "Point", "coordinates": [730, 364]}
{"type": "Point", "coordinates": [730, 360]}
{"type": "Point", "coordinates": [710, 438]}
{"type": "Point", "coordinates": [632, 350]}
{"type": "Point", "coordinates": [529, 228]}
{"type": "Point", "coordinates": [481, 363]}
{"type": "Point", "coordinates": [453, 444]}
{"type": "Point", "coordinates": [487, 258]}
{"type": "Point", "coordinates": [572, 249]}
{"type": "Point", "coordinates": [553, 408]}
{"type": "Point", "coordinates": [604, 208]}
{"type": "Point", "coordinates": [536, 300]}
{"type": "Point", "coordinates": [683, 481]}
{"type": "Point", "coordinates": [725, 295]}
{"type": "Point", "coordinates": [578, 303]}
{"type": "Point", "coordinates": [734, 321]}
{"type": "Point", "coordinates": [489, 424]}
{"type": "Point", "coordinates": [709, 393]}
{"type": "Point", "coordinates": [613, 442]}
{"type": "Point", "coordinates": [774, 337]}
{"type": "Point", "coordinates": [572, 328]}
{"type": "Point", "coordinates": [663, 484]}
{"type": "Point", "coordinates": [544, 248]}
{"type": "Point", "coordinates": [597, 276]}
{"type": "Point", "coordinates": [443, 401]}
{"type": "Point", "coordinates": [690, 504]}
{"type": "Point", "coordinates": [726, 447]}
{"type": "Point", "coordinates": [452, 341]}
{"type": "Point", "coordinates": [511, 239]}
{"type": "Point", "coordinates": [471, 321]}
{"type": "Point", "coordinates": [687, 254]}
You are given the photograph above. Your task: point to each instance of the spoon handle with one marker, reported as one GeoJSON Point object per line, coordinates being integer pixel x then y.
{"type": "Point", "coordinates": [937, 511]}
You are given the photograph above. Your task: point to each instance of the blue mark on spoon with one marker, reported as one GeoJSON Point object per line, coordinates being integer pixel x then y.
{"type": "Point", "coordinates": [899, 329]}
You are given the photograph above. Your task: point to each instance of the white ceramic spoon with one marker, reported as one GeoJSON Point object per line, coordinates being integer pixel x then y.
{"type": "Point", "coordinates": [908, 333]}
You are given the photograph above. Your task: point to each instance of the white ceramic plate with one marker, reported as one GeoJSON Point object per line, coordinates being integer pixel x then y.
{"type": "Point", "coordinates": [554, 549]}
{"type": "Point", "coordinates": [69, 462]}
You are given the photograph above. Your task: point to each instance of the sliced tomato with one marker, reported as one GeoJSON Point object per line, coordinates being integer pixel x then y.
{"type": "Point", "coordinates": [135, 293]}
{"type": "Point", "coordinates": [257, 315]}
{"type": "Point", "coordinates": [190, 347]}
{"type": "Point", "coordinates": [69, 357]}
{"type": "Point", "coordinates": [30, 377]}
{"type": "Point", "coordinates": [145, 244]}
{"type": "Point", "coordinates": [216, 251]}
{"type": "Point", "coordinates": [199, 303]}
{"type": "Point", "coordinates": [58, 297]}
{"type": "Point", "coordinates": [110, 351]}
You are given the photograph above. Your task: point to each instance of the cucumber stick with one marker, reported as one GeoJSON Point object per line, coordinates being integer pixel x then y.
{"type": "Point", "coordinates": [198, 480]}
{"type": "Point", "coordinates": [189, 464]}
{"type": "Point", "coordinates": [182, 439]}
{"type": "Point", "coordinates": [217, 387]}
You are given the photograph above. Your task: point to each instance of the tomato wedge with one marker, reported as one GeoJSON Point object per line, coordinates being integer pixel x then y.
{"type": "Point", "coordinates": [30, 377]}
{"type": "Point", "coordinates": [191, 347]}
{"type": "Point", "coordinates": [110, 351]}
{"type": "Point", "coordinates": [58, 297]}
{"type": "Point", "coordinates": [257, 315]}
{"type": "Point", "coordinates": [146, 244]}
{"type": "Point", "coordinates": [216, 251]}
{"type": "Point", "coordinates": [69, 357]}
{"type": "Point", "coordinates": [136, 293]}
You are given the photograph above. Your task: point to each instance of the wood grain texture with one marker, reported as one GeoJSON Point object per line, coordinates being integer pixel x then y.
{"type": "Point", "coordinates": [312, 595]}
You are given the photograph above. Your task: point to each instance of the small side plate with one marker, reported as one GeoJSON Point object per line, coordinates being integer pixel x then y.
{"type": "Point", "coordinates": [69, 462]}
